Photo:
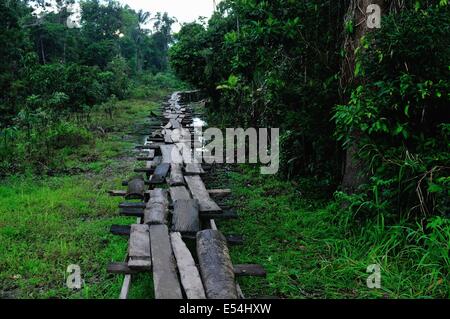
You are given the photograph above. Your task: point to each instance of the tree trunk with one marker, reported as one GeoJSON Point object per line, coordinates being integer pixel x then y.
{"type": "Point", "coordinates": [42, 50]}
{"type": "Point", "coordinates": [357, 16]}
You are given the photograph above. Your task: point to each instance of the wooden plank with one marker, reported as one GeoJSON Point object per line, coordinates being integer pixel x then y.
{"type": "Point", "coordinates": [176, 135]}
{"type": "Point", "coordinates": [168, 136]}
{"type": "Point", "coordinates": [144, 170]}
{"type": "Point", "coordinates": [127, 278]}
{"type": "Point", "coordinates": [198, 191]}
{"type": "Point", "coordinates": [120, 268]}
{"type": "Point", "coordinates": [240, 270]}
{"type": "Point", "coordinates": [124, 230]}
{"type": "Point", "coordinates": [226, 214]}
{"type": "Point", "coordinates": [175, 123]}
{"type": "Point", "coordinates": [125, 183]}
{"type": "Point", "coordinates": [125, 287]}
{"type": "Point", "coordinates": [171, 116]}
{"type": "Point", "coordinates": [155, 139]}
{"type": "Point", "coordinates": [144, 158]}
{"type": "Point", "coordinates": [157, 133]}
{"type": "Point", "coordinates": [189, 274]}
{"type": "Point", "coordinates": [131, 212]}
{"type": "Point", "coordinates": [132, 205]}
{"type": "Point", "coordinates": [154, 163]}
{"type": "Point", "coordinates": [235, 239]}
{"type": "Point", "coordinates": [176, 175]}
{"type": "Point", "coordinates": [215, 265]}
{"type": "Point", "coordinates": [179, 192]}
{"type": "Point", "coordinates": [239, 291]}
{"type": "Point", "coordinates": [185, 151]}
{"type": "Point", "coordinates": [157, 207]}
{"type": "Point", "coordinates": [231, 239]}
{"type": "Point", "coordinates": [118, 193]}
{"type": "Point", "coordinates": [149, 154]}
{"type": "Point", "coordinates": [121, 230]}
{"type": "Point", "coordinates": [165, 276]}
{"type": "Point", "coordinates": [219, 193]}
{"type": "Point", "coordinates": [153, 146]}
{"type": "Point", "coordinates": [171, 154]}
{"type": "Point", "coordinates": [139, 247]}
{"type": "Point", "coordinates": [193, 169]}
{"type": "Point", "coordinates": [168, 125]}
{"type": "Point", "coordinates": [166, 152]}
{"type": "Point", "coordinates": [249, 270]}
{"type": "Point", "coordinates": [160, 173]}
{"type": "Point", "coordinates": [185, 218]}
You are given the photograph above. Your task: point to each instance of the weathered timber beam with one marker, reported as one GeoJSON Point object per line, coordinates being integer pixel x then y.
{"type": "Point", "coordinates": [225, 214]}
{"type": "Point", "coordinates": [215, 265]}
{"type": "Point", "coordinates": [124, 230]}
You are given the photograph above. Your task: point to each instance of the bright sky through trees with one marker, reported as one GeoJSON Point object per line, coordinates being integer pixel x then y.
{"type": "Point", "coordinates": [183, 10]}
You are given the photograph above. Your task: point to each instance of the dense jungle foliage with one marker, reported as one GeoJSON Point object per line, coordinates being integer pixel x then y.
{"type": "Point", "coordinates": [280, 64]}
{"type": "Point", "coordinates": [365, 138]}
{"type": "Point", "coordinates": [363, 114]}
{"type": "Point", "coordinates": [55, 71]}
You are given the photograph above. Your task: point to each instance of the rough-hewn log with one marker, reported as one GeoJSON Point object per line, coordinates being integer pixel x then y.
{"type": "Point", "coordinates": [157, 207]}
{"type": "Point", "coordinates": [215, 265]}
{"type": "Point", "coordinates": [136, 188]}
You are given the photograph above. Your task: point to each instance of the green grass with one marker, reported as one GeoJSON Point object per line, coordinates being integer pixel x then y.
{"type": "Point", "coordinates": [309, 252]}
{"type": "Point", "coordinates": [309, 246]}
{"type": "Point", "coordinates": [50, 222]}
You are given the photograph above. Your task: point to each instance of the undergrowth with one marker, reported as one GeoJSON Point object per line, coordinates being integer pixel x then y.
{"type": "Point", "coordinates": [57, 212]}
{"type": "Point", "coordinates": [315, 248]}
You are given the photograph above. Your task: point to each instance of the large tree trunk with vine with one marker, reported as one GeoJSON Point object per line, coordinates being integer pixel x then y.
{"type": "Point", "coordinates": [357, 18]}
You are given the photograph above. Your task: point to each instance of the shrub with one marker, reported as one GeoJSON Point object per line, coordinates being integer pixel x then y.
{"type": "Point", "coordinates": [401, 112]}
{"type": "Point", "coordinates": [68, 134]}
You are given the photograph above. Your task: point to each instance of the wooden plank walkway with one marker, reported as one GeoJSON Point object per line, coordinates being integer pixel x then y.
{"type": "Point", "coordinates": [176, 207]}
